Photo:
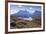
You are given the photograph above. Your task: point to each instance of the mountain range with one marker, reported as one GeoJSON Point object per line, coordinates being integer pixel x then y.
{"type": "Point", "coordinates": [37, 13]}
{"type": "Point", "coordinates": [26, 14]}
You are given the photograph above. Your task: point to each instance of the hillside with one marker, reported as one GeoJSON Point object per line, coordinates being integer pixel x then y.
{"type": "Point", "coordinates": [16, 22]}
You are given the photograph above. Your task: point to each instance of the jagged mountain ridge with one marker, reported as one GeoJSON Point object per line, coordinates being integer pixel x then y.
{"type": "Point", "coordinates": [26, 14]}
{"type": "Point", "coordinates": [21, 13]}
{"type": "Point", "coordinates": [37, 13]}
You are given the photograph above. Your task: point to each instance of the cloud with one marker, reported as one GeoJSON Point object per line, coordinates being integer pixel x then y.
{"type": "Point", "coordinates": [19, 5]}
{"type": "Point", "coordinates": [30, 8]}
{"type": "Point", "coordinates": [32, 11]}
{"type": "Point", "coordinates": [13, 11]}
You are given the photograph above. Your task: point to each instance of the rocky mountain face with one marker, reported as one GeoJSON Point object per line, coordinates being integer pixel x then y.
{"type": "Point", "coordinates": [37, 13]}
{"type": "Point", "coordinates": [26, 14]}
{"type": "Point", "coordinates": [21, 19]}
{"type": "Point", "coordinates": [21, 13]}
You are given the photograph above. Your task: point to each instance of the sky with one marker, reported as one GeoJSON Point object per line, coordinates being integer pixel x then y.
{"type": "Point", "coordinates": [29, 8]}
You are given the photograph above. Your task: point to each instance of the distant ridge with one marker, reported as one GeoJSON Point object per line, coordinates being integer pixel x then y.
{"type": "Point", "coordinates": [37, 13]}
{"type": "Point", "coordinates": [21, 13]}
{"type": "Point", "coordinates": [26, 14]}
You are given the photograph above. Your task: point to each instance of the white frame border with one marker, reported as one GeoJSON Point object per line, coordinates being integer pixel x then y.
{"type": "Point", "coordinates": [24, 29]}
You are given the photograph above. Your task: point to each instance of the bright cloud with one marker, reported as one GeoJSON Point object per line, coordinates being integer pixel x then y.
{"type": "Point", "coordinates": [13, 11]}
{"type": "Point", "coordinates": [30, 8]}
{"type": "Point", "coordinates": [19, 5]}
{"type": "Point", "coordinates": [31, 11]}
